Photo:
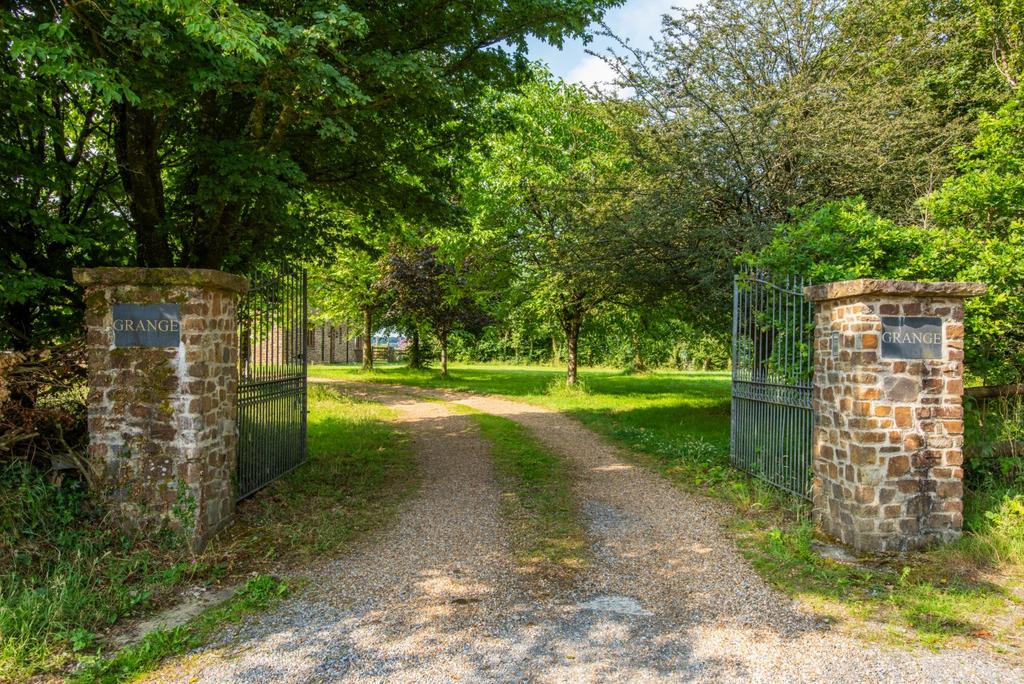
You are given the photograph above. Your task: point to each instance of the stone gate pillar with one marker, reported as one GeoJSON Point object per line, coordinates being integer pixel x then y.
{"type": "Point", "coordinates": [162, 353]}
{"type": "Point", "coordinates": [888, 417]}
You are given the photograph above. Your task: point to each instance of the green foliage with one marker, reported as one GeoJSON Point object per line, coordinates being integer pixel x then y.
{"type": "Point", "coordinates": [987, 195]}
{"type": "Point", "coordinates": [753, 107]}
{"type": "Point", "coordinates": [214, 134]}
{"type": "Point", "coordinates": [994, 341]}
{"type": "Point", "coordinates": [532, 202]}
{"type": "Point", "coordinates": [978, 235]}
{"type": "Point", "coordinates": [843, 240]}
{"type": "Point", "coordinates": [1002, 531]}
{"type": "Point", "coordinates": [634, 337]}
{"type": "Point", "coordinates": [989, 424]}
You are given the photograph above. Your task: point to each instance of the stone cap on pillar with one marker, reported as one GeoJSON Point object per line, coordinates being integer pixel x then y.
{"type": "Point", "coordinates": [845, 289]}
{"type": "Point", "coordinates": [148, 277]}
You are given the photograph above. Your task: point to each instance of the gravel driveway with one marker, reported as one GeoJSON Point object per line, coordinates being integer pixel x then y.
{"type": "Point", "coordinates": [438, 598]}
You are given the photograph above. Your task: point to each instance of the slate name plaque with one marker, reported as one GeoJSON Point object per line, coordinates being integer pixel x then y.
{"type": "Point", "coordinates": [911, 337]}
{"type": "Point", "coordinates": [146, 325]}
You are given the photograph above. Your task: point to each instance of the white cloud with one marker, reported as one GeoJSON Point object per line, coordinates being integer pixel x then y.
{"type": "Point", "coordinates": [591, 71]}
{"type": "Point", "coordinates": [636, 21]}
{"type": "Point", "coordinates": [639, 20]}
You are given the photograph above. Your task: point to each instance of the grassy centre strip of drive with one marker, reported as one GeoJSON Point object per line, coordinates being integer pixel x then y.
{"type": "Point", "coordinates": [548, 537]}
{"type": "Point", "coordinates": [967, 593]}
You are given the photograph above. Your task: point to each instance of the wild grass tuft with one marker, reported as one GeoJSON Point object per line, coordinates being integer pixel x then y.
{"type": "Point", "coordinates": [559, 388]}
{"type": "Point", "coordinates": [66, 575]}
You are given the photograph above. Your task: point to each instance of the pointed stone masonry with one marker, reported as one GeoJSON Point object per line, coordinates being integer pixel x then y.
{"type": "Point", "coordinates": [162, 353]}
{"type": "Point", "coordinates": [888, 413]}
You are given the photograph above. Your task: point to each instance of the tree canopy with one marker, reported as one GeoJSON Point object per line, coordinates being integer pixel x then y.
{"type": "Point", "coordinates": [828, 138]}
{"type": "Point", "coordinates": [206, 134]}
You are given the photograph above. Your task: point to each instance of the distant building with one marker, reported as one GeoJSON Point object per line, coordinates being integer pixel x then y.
{"type": "Point", "coordinates": [333, 343]}
{"type": "Point", "coordinates": [326, 343]}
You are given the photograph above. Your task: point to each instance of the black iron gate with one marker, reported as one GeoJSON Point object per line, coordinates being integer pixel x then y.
{"type": "Point", "coordinates": [772, 367]}
{"type": "Point", "coordinates": [271, 379]}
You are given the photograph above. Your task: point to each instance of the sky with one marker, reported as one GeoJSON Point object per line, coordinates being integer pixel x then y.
{"type": "Point", "coordinates": [635, 20]}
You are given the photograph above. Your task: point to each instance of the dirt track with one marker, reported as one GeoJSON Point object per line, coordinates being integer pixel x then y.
{"type": "Point", "coordinates": [437, 598]}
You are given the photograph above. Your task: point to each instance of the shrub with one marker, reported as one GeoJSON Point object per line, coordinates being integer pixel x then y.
{"type": "Point", "coordinates": [42, 405]}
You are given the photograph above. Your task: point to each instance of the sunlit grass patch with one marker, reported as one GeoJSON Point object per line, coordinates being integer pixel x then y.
{"type": "Point", "coordinates": [359, 465]}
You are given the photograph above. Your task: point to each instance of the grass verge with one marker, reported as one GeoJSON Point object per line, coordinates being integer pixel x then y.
{"type": "Point", "coordinates": [256, 595]}
{"type": "Point", "coordinates": [359, 467]}
{"type": "Point", "coordinates": [966, 593]}
{"type": "Point", "coordinates": [66, 578]}
{"type": "Point", "coordinates": [537, 498]}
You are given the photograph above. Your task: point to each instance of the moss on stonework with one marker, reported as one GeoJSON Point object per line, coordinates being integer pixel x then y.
{"type": "Point", "coordinates": [95, 303]}
{"type": "Point", "coordinates": [157, 388]}
{"type": "Point", "coordinates": [165, 408]}
{"type": "Point", "coordinates": [160, 277]}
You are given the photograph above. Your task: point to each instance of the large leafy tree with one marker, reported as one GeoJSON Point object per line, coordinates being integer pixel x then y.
{"type": "Point", "coordinates": [756, 107]}
{"type": "Point", "coordinates": [432, 294]}
{"type": "Point", "coordinates": [549, 195]}
{"type": "Point", "coordinates": [59, 198]}
{"type": "Point", "coordinates": [211, 125]}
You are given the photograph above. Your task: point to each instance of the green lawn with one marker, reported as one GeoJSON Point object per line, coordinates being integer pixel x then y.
{"type": "Point", "coordinates": [675, 406]}
{"type": "Point", "coordinates": [678, 424]}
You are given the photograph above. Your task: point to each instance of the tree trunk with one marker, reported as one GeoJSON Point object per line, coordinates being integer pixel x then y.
{"type": "Point", "coordinates": [367, 338]}
{"type": "Point", "coordinates": [20, 323]}
{"type": "Point", "coordinates": [415, 352]}
{"type": "Point", "coordinates": [443, 339]}
{"type": "Point", "coordinates": [638, 357]}
{"type": "Point", "coordinates": [572, 325]}
{"type": "Point", "coordinates": [554, 351]}
{"type": "Point", "coordinates": [136, 148]}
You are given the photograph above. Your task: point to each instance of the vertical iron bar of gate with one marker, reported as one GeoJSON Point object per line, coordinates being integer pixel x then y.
{"type": "Point", "coordinates": [736, 306]}
{"type": "Point", "coordinates": [272, 379]}
{"type": "Point", "coordinates": [305, 366]}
